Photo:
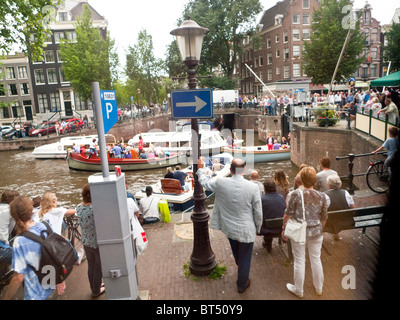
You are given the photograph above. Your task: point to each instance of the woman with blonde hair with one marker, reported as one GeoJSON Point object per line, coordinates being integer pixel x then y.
{"type": "Point", "coordinates": [315, 211]}
{"type": "Point", "coordinates": [281, 182]}
{"type": "Point", "coordinates": [52, 214]}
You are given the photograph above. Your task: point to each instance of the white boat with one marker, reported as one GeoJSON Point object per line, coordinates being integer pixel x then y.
{"type": "Point", "coordinates": [58, 150]}
{"type": "Point", "coordinates": [211, 141]}
{"type": "Point", "coordinates": [179, 200]}
{"type": "Point", "coordinates": [255, 154]}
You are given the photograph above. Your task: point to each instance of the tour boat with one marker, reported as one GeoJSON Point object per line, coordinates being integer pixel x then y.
{"type": "Point", "coordinates": [171, 191]}
{"type": "Point", "coordinates": [211, 140]}
{"type": "Point", "coordinates": [80, 161]}
{"type": "Point", "coordinates": [59, 150]}
{"type": "Point", "coordinates": [254, 154]}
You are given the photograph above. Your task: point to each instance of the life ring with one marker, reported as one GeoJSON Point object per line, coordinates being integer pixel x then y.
{"type": "Point", "coordinates": [59, 148]}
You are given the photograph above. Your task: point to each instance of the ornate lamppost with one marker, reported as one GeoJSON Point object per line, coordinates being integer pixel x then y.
{"type": "Point", "coordinates": [189, 37]}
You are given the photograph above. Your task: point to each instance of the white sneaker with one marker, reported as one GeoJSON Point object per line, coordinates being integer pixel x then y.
{"type": "Point", "coordinates": [318, 292]}
{"type": "Point", "coordinates": [292, 289]}
{"type": "Point", "coordinates": [80, 256]}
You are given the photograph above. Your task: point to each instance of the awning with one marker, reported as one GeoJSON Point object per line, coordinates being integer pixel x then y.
{"type": "Point", "coordinates": [391, 80]}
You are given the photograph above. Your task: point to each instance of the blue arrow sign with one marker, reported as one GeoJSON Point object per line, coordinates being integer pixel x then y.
{"type": "Point", "coordinates": [195, 103]}
{"type": "Point", "coordinates": [109, 109]}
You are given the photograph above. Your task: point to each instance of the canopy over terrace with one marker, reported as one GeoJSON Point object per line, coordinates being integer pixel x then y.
{"type": "Point", "coordinates": [391, 80]}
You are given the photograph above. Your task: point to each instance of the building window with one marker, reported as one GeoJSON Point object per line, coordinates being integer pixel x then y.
{"type": "Point", "coordinates": [22, 73]}
{"type": "Point", "coordinates": [58, 36]}
{"type": "Point", "coordinates": [268, 43]}
{"type": "Point", "coordinates": [10, 73]}
{"type": "Point", "coordinates": [286, 72]}
{"type": "Point", "coordinates": [278, 54]}
{"type": "Point", "coordinates": [296, 51]}
{"type": "Point", "coordinates": [62, 16]}
{"type": "Point", "coordinates": [286, 54]}
{"type": "Point", "coordinates": [374, 69]}
{"type": "Point", "coordinates": [71, 36]}
{"type": "Point", "coordinates": [6, 113]}
{"type": "Point", "coordinates": [55, 102]}
{"type": "Point", "coordinates": [374, 53]}
{"type": "Point", "coordinates": [13, 89]}
{"type": "Point", "coordinates": [48, 38]}
{"type": "Point", "coordinates": [269, 58]}
{"type": "Point", "coordinates": [59, 56]}
{"type": "Point", "coordinates": [306, 34]}
{"type": "Point", "coordinates": [306, 19]}
{"type": "Point", "coordinates": [256, 63]}
{"type": "Point", "coordinates": [39, 76]}
{"type": "Point", "coordinates": [269, 74]}
{"type": "Point", "coordinates": [277, 38]}
{"type": "Point", "coordinates": [2, 90]}
{"type": "Point", "coordinates": [296, 70]}
{"type": "Point", "coordinates": [52, 75]}
{"type": "Point", "coordinates": [43, 103]}
{"type": "Point", "coordinates": [375, 35]}
{"type": "Point", "coordinates": [24, 88]}
{"type": "Point", "coordinates": [261, 61]}
{"type": "Point", "coordinates": [285, 37]}
{"type": "Point", "coordinates": [306, 4]}
{"type": "Point", "coordinates": [261, 75]}
{"type": "Point", "coordinates": [49, 56]}
{"type": "Point", "coordinates": [296, 35]}
{"type": "Point", "coordinates": [296, 18]}
{"type": "Point", "coordinates": [278, 70]}
{"type": "Point", "coordinates": [364, 72]}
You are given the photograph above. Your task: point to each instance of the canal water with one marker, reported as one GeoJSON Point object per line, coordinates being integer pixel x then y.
{"type": "Point", "coordinates": [31, 177]}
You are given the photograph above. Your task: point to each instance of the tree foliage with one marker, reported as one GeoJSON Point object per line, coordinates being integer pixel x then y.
{"type": "Point", "coordinates": [326, 42]}
{"type": "Point", "coordinates": [90, 59]}
{"type": "Point", "coordinates": [229, 21]}
{"type": "Point", "coordinates": [143, 68]}
{"type": "Point", "coordinates": [19, 19]}
{"type": "Point", "coordinates": [392, 49]}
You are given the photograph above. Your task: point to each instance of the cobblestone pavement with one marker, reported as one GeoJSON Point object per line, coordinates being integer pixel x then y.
{"type": "Point", "coordinates": [161, 273]}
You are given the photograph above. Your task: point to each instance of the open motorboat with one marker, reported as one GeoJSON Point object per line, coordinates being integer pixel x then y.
{"type": "Point", "coordinates": [59, 150]}
{"type": "Point", "coordinates": [255, 154]}
{"type": "Point", "coordinates": [171, 190]}
{"type": "Point", "coordinates": [211, 140]}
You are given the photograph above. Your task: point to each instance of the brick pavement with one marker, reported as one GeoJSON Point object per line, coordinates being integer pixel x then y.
{"type": "Point", "coordinates": [161, 273]}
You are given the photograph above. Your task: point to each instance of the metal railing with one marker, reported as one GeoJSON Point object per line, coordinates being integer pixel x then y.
{"type": "Point", "coordinates": [350, 176]}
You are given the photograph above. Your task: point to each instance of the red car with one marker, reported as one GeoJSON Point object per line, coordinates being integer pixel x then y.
{"type": "Point", "coordinates": [43, 129]}
{"type": "Point", "coordinates": [73, 125]}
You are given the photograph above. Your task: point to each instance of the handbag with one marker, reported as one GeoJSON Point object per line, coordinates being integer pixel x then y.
{"type": "Point", "coordinates": [140, 236]}
{"type": "Point", "coordinates": [294, 230]}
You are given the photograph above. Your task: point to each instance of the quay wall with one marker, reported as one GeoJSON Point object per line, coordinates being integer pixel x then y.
{"type": "Point", "coordinates": [309, 144]}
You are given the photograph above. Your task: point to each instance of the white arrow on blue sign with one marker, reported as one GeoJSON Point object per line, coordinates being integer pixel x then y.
{"type": "Point", "coordinates": [195, 103]}
{"type": "Point", "coordinates": [109, 108]}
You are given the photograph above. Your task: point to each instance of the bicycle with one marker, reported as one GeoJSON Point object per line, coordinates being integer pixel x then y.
{"type": "Point", "coordinates": [73, 234]}
{"type": "Point", "coordinates": [378, 177]}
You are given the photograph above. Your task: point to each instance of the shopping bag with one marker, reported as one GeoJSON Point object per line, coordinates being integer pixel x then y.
{"type": "Point", "coordinates": [164, 210]}
{"type": "Point", "coordinates": [140, 236]}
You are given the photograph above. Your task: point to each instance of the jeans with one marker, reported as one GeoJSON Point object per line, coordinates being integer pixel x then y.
{"type": "Point", "coordinates": [94, 268]}
{"type": "Point", "coordinates": [242, 253]}
{"type": "Point", "coordinates": [299, 253]}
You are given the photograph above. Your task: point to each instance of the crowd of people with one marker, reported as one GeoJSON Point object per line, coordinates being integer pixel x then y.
{"type": "Point", "coordinates": [242, 205]}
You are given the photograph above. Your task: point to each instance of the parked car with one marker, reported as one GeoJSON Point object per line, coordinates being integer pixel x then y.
{"type": "Point", "coordinates": [73, 125]}
{"type": "Point", "coordinates": [44, 129]}
{"type": "Point", "coordinates": [5, 129]}
{"type": "Point", "coordinates": [11, 134]}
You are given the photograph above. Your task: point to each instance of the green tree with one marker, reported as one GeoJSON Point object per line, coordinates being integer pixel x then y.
{"type": "Point", "coordinates": [327, 39]}
{"type": "Point", "coordinates": [392, 49]}
{"type": "Point", "coordinates": [19, 19]}
{"type": "Point", "coordinates": [143, 68]}
{"type": "Point", "coordinates": [229, 21]}
{"type": "Point", "coordinates": [90, 59]}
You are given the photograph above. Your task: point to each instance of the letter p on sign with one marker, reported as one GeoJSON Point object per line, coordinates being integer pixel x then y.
{"type": "Point", "coordinates": [109, 109]}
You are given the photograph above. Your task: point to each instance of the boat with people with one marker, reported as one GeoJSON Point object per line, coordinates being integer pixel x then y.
{"type": "Point", "coordinates": [254, 154]}
{"type": "Point", "coordinates": [59, 150]}
{"type": "Point", "coordinates": [181, 200]}
{"type": "Point", "coordinates": [81, 161]}
{"type": "Point", "coordinates": [180, 140]}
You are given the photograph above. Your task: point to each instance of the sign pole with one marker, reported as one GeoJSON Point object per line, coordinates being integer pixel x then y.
{"type": "Point", "coordinates": [100, 129]}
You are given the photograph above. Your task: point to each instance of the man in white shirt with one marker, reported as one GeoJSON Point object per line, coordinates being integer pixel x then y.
{"type": "Point", "coordinates": [149, 207]}
{"type": "Point", "coordinates": [321, 183]}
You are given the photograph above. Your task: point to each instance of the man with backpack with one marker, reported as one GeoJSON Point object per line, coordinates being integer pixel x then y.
{"type": "Point", "coordinates": [42, 271]}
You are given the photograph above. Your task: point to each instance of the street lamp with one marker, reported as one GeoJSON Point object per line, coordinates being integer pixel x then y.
{"type": "Point", "coordinates": [189, 37]}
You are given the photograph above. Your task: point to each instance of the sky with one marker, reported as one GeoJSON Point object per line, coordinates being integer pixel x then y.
{"type": "Point", "coordinates": [158, 17]}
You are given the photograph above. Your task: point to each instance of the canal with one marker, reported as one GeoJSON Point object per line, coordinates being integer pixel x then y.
{"type": "Point", "coordinates": [31, 177]}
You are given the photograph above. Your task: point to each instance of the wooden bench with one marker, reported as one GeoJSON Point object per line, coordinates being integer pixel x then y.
{"type": "Point", "coordinates": [172, 186]}
{"type": "Point", "coordinates": [362, 217]}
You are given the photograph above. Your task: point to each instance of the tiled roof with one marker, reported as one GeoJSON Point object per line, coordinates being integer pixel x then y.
{"type": "Point", "coordinates": [268, 19]}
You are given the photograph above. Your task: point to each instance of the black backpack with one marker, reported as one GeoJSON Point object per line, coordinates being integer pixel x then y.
{"type": "Point", "coordinates": [56, 251]}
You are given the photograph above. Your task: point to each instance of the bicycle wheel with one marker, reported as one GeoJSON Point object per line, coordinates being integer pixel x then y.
{"type": "Point", "coordinates": [378, 177]}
